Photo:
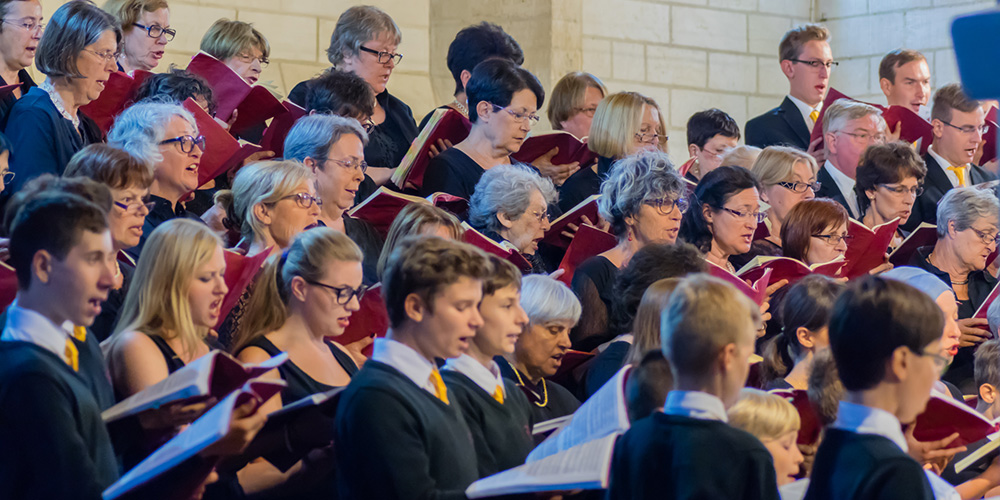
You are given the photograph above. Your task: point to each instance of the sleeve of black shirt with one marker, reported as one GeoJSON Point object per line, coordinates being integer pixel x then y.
{"type": "Point", "coordinates": [442, 177]}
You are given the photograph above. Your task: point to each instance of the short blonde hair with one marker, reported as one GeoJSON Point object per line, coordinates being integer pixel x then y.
{"type": "Point", "coordinates": [226, 39]}
{"type": "Point", "coordinates": [767, 416]}
{"type": "Point", "coordinates": [355, 27]}
{"type": "Point", "coordinates": [704, 315]}
{"type": "Point", "coordinates": [261, 182]}
{"type": "Point", "coordinates": [777, 164]}
{"type": "Point", "coordinates": [568, 95]}
{"type": "Point", "coordinates": [791, 44]}
{"type": "Point", "coordinates": [127, 12]}
{"type": "Point", "coordinates": [410, 221]}
{"type": "Point", "coordinates": [741, 156]}
{"type": "Point", "coordinates": [616, 122]}
{"type": "Point", "coordinates": [646, 325]}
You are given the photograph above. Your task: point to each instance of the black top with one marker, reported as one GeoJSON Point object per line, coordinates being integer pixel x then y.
{"type": "Point", "coordinates": [781, 126]}
{"type": "Point", "coordinates": [548, 399]}
{"type": "Point", "coordinates": [670, 456]}
{"type": "Point", "coordinates": [452, 172]}
{"type": "Point", "coordinates": [43, 140]}
{"type": "Point", "coordinates": [8, 102]}
{"type": "Point", "coordinates": [594, 284]}
{"type": "Point", "coordinates": [758, 248]}
{"type": "Point", "coordinates": [778, 383]}
{"type": "Point", "coordinates": [162, 211]}
{"type": "Point", "coordinates": [397, 441]}
{"type": "Point", "coordinates": [605, 365]}
{"type": "Point", "coordinates": [970, 472]}
{"type": "Point", "coordinates": [936, 184]}
{"type": "Point", "coordinates": [864, 467]}
{"type": "Point", "coordinates": [371, 243]}
{"type": "Point", "coordinates": [54, 442]}
{"type": "Point", "coordinates": [105, 322]}
{"type": "Point", "coordinates": [300, 384]}
{"type": "Point", "coordinates": [501, 433]}
{"type": "Point", "coordinates": [584, 183]}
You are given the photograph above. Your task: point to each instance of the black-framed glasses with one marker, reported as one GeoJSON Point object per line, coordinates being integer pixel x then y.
{"type": "Point", "coordinates": [7, 176]}
{"type": "Point", "coordinates": [969, 129]}
{"type": "Point", "coordinates": [519, 117]}
{"type": "Point", "coordinates": [747, 216]}
{"type": "Point", "coordinates": [801, 187]}
{"type": "Point", "coordinates": [817, 64]}
{"type": "Point", "coordinates": [587, 111]}
{"type": "Point", "coordinates": [109, 56]}
{"type": "Point", "coordinates": [665, 206]}
{"type": "Point", "coordinates": [187, 142]}
{"type": "Point", "coordinates": [940, 362]}
{"type": "Point", "coordinates": [834, 239]}
{"type": "Point", "coordinates": [344, 293]}
{"type": "Point", "coordinates": [249, 59]}
{"type": "Point", "coordinates": [866, 136]}
{"type": "Point", "coordinates": [383, 56]}
{"type": "Point", "coordinates": [304, 200]}
{"type": "Point", "coordinates": [28, 26]}
{"type": "Point", "coordinates": [136, 205]}
{"type": "Point", "coordinates": [985, 236]}
{"type": "Point", "coordinates": [351, 165]}
{"type": "Point", "coordinates": [901, 190]}
{"type": "Point", "coordinates": [156, 31]}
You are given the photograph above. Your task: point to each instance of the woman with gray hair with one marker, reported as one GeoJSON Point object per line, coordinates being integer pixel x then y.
{"type": "Point", "coordinates": [364, 42]}
{"type": "Point", "coordinates": [643, 200]}
{"type": "Point", "coordinates": [77, 54]}
{"type": "Point", "coordinates": [510, 204]}
{"type": "Point", "coordinates": [552, 311]}
{"type": "Point", "coordinates": [332, 147]}
{"type": "Point", "coordinates": [165, 138]}
{"type": "Point", "coordinates": [968, 222]}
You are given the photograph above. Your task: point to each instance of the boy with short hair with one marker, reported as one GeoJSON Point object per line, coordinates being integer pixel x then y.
{"type": "Point", "coordinates": [398, 434]}
{"type": "Point", "coordinates": [708, 331]}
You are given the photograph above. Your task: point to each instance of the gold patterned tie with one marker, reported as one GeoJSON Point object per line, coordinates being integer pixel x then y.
{"type": "Point", "coordinates": [72, 355]}
{"type": "Point", "coordinates": [498, 394]}
{"type": "Point", "coordinates": [960, 173]}
{"type": "Point", "coordinates": [80, 332]}
{"type": "Point", "coordinates": [441, 391]}
{"type": "Point", "coordinates": [814, 115]}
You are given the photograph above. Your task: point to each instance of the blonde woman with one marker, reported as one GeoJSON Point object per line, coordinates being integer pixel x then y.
{"type": "Point", "coordinates": [775, 422]}
{"type": "Point", "coordinates": [624, 124]}
{"type": "Point", "coordinates": [419, 219]}
{"type": "Point", "coordinates": [238, 45]}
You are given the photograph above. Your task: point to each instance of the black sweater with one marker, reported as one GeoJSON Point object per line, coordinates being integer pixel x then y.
{"type": "Point", "coordinates": [865, 467]}
{"type": "Point", "coordinates": [675, 457]}
{"type": "Point", "coordinates": [395, 440]}
{"type": "Point", "coordinates": [501, 433]}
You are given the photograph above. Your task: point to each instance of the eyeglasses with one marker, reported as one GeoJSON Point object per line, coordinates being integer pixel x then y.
{"type": "Point", "coordinates": [109, 56]}
{"type": "Point", "coordinates": [541, 216]}
{"type": "Point", "coordinates": [187, 142]}
{"type": "Point", "coordinates": [156, 31]}
{"type": "Point", "coordinates": [915, 190]}
{"type": "Point", "coordinates": [383, 56]}
{"type": "Point", "coordinates": [969, 129]}
{"type": "Point", "coordinates": [29, 26]}
{"type": "Point", "coordinates": [800, 187]}
{"type": "Point", "coordinates": [304, 200]}
{"type": "Point", "coordinates": [519, 117]}
{"type": "Point", "coordinates": [817, 64]}
{"type": "Point", "coordinates": [747, 216]}
{"type": "Point", "coordinates": [587, 111]}
{"type": "Point", "coordinates": [987, 238]}
{"type": "Point", "coordinates": [351, 165]}
{"type": "Point", "coordinates": [344, 293]}
{"type": "Point", "coordinates": [648, 138]}
{"type": "Point", "coordinates": [939, 361]}
{"type": "Point", "coordinates": [665, 206]}
{"type": "Point", "coordinates": [136, 206]}
{"type": "Point", "coordinates": [865, 136]}
{"type": "Point", "coordinates": [834, 239]}
{"type": "Point", "coordinates": [249, 59]}
{"type": "Point", "coordinates": [7, 176]}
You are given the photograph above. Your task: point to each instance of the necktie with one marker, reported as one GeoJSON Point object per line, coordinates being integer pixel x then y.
{"type": "Point", "coordinates": [80, 332]}
{"type": "Point", "coordinates": [439, 388]}
{"type": "Point", "coordinates": [72, 355]}
{"type": "Point", "coordinates": [814, 115]}
{"type": "Point", "coordinates": [498, 394]}
{"type": "Point", "coordinates": [960, 173]}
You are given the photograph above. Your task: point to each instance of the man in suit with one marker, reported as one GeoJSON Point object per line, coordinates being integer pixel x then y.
{"type": "Point", "coordinates": [905, 79]}
{"type": "Point", "coordinates": [806, 60]}
{"type": "Point", "coordinates": [959, 123]}
{"type": "Point", "coordinates": [848, 128]}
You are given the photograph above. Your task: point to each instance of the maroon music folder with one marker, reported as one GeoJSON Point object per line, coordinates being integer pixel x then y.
{"type": "Point", "coordinates": [586, 243]}
{"type": "Point", "coordinates": [222, 151]}
{"type": "Point", "coordinates": [915, 130]}
{"type": "Point", "coordinates": [571, 149]}
{"type": "Point", "coordinates": [240, 271]}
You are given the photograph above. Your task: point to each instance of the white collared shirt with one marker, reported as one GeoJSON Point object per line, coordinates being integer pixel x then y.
{"type": "Point", "coordinates": [806, 110]}
{"type": "Point", "coordinates": [26, 325]}
{"type": "Point", "coordinates": [488, 379]}
{"type": "Point", "coordinates": [408, 361]}
{"type": "Point", "coordinates": [46, 85]}
{"type": "Point", "coordinates": [846, 186]}
{"type": "Point", "coordinates": [862, 419]}
{"type": "Point", "coordinates": [944, 166]}
{"type": "Point", "coordinates": [694, 404]}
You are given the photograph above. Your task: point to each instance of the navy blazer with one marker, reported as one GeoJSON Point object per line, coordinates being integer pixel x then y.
{"type": "Point", "coordinates": [781, 126]}
{"type": "Point", "coordinates": [936, 184]}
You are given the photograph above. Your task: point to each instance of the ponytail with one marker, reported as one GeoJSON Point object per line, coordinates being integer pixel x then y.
{"type": "Point", "coordinates": [778, 361]}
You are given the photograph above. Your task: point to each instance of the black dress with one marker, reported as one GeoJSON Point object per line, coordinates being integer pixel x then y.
{"type": "Point", "coordinates": [758, 248]}
{"type": "Point", "coordinates": [548, 399]}
{"type": "Point", "coordinates": [300, 384]}
{"type": "Point", "coordinates": [605, 366]}
{"type": "Point", "coordinates": [594, 284]}
{"type": "Point", "coordinates": [583, 184]}
{"type": "Point", "coordinates": [8, 102]}
{"type": "Point", "coordinates": [452, 172]}
{"type": "Point", "coordinates": [162, 211]}
{"type": "Point", "coordinates": [371, 243]}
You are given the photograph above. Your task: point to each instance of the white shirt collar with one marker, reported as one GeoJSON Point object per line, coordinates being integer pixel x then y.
{"type": "Point", "coordinates": [57, 101]}
{"type": "Point", "coordinates": [486, 378]}
{"type": "Point", "coordinates": [846, 186]}
{"type": "Point", "coordinates": [862, 419]}
{"type": "Point", "coordinates": [405, 359]}
{"type": "Point", "coordinates": [26, 325]}
{"type": "Point", "coordinates": [806, 109]}
{"type": "Point", "coordinates": [693, 404]}
{"type": "Point", "coordinates": [944, 164]}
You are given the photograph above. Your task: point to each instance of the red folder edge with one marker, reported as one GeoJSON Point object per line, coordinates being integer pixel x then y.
{"type": "Point", "coordinates": [240, 271]}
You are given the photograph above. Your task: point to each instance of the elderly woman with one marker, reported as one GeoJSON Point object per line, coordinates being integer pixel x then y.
{"type": "Point", "coordinates": [510, 205]}
{"type": "Point", "coordinates": [624, 124]}
{"type": "Point", "coordinates": [238, 45]}
{"type": "Point", "coordinates": [332, 147]}
{"type": "Point", "coordinates": [165, 138]}
{"type": "Point", "coordinates": [574, 101]}
{"type": "Point", "coordinates": [364, 42]}
{"type": "Point", "coordinates": [815, 231]}
{"type": "Point", "coordinates": [967, 234]}
{"type": "Point", "coordinates": [20, 32]}
{"type": "Point", "coordinates": [889, 180]}
{"type": "Point", "coordinates": [77, 54]}
{"type": "Point", "coordinates": [552, 311]}
{"type": "Point", "coordinates": [504, 99]}
{"type": "Point", "coordinates": [643, 200]}
{"type": "Point", "coordinates": [725, 215]}
{"type": "Point", "coordinates": [146, 31]}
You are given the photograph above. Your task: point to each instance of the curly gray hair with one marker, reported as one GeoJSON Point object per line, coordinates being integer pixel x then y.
{"type": "Point", "coordinates": [965, 206]}
{"type": "Point", "coordinates": [506, 189]}
{"type": "Point", "coordinates": [140, 129]}
{"type": "Point", "coordinates": [633, 181]}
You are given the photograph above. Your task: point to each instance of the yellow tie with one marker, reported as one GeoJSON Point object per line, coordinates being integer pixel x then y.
{"type": "Point", "coordinates": [72, 355]}
{"type": "Point", "coordinates": [441, 391]}
{"type": "Point", "coordinates": [80, 332]}
{"type": "Point", "coordinates": [498, 394]}
{"type": "Point", "coordinates": [960, 173]}
{"type": "Point", "coordinates": [814, 115]}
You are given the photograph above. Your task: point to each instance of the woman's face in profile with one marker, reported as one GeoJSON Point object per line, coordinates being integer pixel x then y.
{"type": "Point", "coordinates": [541, 347]}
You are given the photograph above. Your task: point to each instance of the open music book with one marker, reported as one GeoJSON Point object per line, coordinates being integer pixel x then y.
{"type": "Point", "coordinates": [381, 207]}
{"type": "Point", "coordinates": [786, 268]}
{"type": "Point", "coordinates": [868, 248]}
{"type": "Point", "coordinates": [503, 250]}
{"type": "Point", "coordinates": [587, 242]}
{"type": "Point", "coordinates": [571, 149]}
{"type": "Point", "coordinates": [757, 292]}
{"type": "Point", "coordinates": [119, 92]}
{"type": "Point", "coordinates": [444, 123]}
{"type": "Point", "coordinates": [253, 104]}
{"type": "Point", "coordinates": [587, 207]}
{"type": "Point", "coordinates": [945, 416]}
{"type": "Point", "coordinates": [924, 235]}
{"type": "Point", "coordinates": [223, 152]}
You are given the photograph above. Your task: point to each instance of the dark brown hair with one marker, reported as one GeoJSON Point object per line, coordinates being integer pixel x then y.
{"type": "Point", "coordinates": [805, 219]}
{"type": "Point", "coordinates": [791, 44]}
{"type": "Point", "coordinates": [110, 166]}
{"type": "Point", "coordinates": [893, 60]}
{"type": "Point", "coordinates": [951, 97]}
{"type": "Point", "coordinates": [886, 164]}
